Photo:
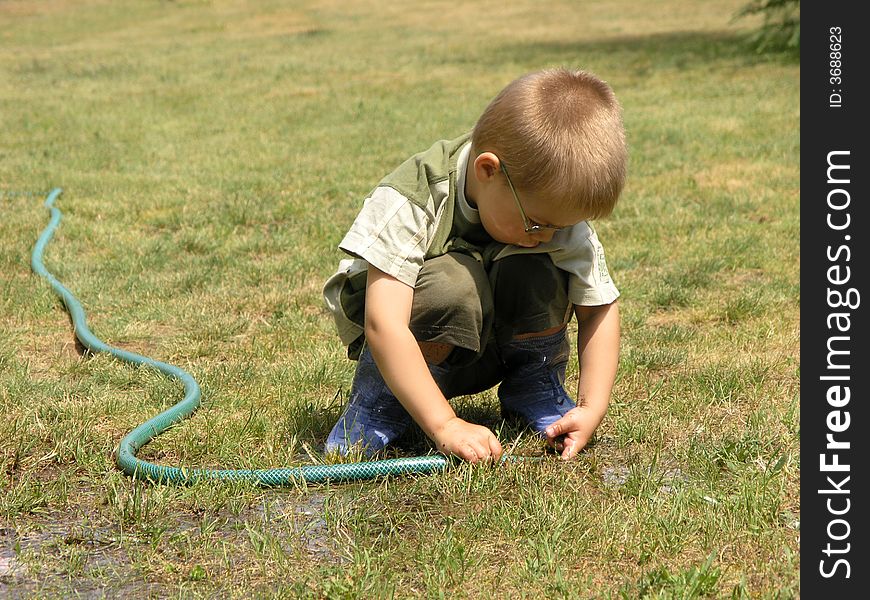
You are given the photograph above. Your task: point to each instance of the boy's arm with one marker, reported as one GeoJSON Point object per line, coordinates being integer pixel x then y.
{"type": "Point", "coordinates": [401, 363]}
{"type": "Point", "coordinates": [598, 355]}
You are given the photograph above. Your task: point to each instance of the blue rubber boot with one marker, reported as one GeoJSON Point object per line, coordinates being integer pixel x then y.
{"type": "Point", "coordinates": [374, 417]}
{"type": "Point", "coordinates": [534, 388]}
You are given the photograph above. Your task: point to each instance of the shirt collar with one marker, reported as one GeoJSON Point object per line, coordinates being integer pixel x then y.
{"type": "Point", "coordinates": [471, 214]}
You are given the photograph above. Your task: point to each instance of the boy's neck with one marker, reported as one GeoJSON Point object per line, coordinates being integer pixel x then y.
{"type": "Point", "coordinates": [470, 183]}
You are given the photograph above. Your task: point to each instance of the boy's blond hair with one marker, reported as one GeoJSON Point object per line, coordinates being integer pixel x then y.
{"type": "Point", "coordinates": [559, 133]}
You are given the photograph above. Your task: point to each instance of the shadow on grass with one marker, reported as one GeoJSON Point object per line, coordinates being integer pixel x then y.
{"type": "Point", "coordinates": [671, 50]}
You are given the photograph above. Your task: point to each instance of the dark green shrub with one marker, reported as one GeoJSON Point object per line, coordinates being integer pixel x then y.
{"type": "Point", "coordinates": [781, 29]}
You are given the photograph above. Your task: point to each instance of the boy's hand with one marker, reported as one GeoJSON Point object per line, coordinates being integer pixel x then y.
{"type": "Point", "coordinates": [474, 443]}
{"type": "Point", "coordinates": [576, 427]}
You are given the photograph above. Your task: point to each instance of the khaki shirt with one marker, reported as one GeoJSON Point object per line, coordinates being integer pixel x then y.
{"type": "Point", "coordinates": [395, 234]}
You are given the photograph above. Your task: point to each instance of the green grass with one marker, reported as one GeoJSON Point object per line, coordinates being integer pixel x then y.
{"type": "Point", "coordinates": [212, 156]}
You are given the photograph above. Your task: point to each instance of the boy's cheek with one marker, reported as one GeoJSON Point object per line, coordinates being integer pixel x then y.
{"type": "Point", "coordinates": [503, 234]}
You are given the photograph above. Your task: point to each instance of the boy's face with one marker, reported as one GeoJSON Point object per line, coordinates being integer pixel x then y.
{"type": "Point", "coordinates": [509, 215]}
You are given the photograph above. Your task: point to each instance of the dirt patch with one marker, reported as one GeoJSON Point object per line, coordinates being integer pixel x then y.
{"type": "Point", "coordinates": [78, 552]}
{"type": "Point", "coordinates": [64, 558]}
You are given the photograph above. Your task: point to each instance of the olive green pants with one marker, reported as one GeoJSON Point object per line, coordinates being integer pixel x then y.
{"type": "Point", "coordinates": [457, 301]}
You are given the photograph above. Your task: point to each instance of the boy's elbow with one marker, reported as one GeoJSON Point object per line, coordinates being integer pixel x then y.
{"type": "Point", "coordinates": [373, 328]}
{"type": "Point", "coordinates": [379, 327]}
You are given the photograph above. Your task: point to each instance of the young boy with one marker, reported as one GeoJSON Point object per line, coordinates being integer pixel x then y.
{"type": "Point", "coordinates": [469, 260]}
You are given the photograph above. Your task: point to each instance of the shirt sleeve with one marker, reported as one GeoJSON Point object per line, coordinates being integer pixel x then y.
{"type": "Point", "coordinates": [582, 256]}
{"type": "Point", "coordinates": [391, 233]}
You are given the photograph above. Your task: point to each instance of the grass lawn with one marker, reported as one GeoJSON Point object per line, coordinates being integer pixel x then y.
{"type": "Point", "coordinates": [212, 155]}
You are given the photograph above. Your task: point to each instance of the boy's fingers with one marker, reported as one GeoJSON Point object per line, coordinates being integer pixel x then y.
{"type": "Point", "coordinates": [561, 426]}
{"type": "Point", "coordinates": [481, 452]}
{"type": "Point", "coordinates": [495, 448]}
{"type": "Point", "coordinates": [475, 453]}
{"type": "Point", "coordinates": [571, 448]}
{"type": "Point", "coordinates": [554, 430]}
{"type": "Point", "coordinates": [466, 452]}
{"type": "Point", "coordinates": [478, 449]}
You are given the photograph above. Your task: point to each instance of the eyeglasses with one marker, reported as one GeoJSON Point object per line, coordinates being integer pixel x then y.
{"type": "Point", "coordinates": [530, 226]}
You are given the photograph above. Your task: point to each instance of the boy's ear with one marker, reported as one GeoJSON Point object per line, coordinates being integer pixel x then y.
{"type": "Point", "coordinates": [486, 166]}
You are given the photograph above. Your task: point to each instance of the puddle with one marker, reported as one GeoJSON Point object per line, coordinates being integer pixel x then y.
{"type": "Point", "coordinates": [73, 554]}
{"type": "Point", "coordinates": [28, 561]}
{"type": "Point", "coordinates": [671, 480]}
{"type": "Point", "coordinates": [11, 570]}
{"type": "Point", "coordinates": [618, 476]}
{"type": "Point", "coordinates": [615, 476]}
{"type": "Point", "coordinates": [306, 515]}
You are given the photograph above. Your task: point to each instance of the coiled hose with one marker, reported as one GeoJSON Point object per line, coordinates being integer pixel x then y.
{"type": "Point", "coordinates": [147, 431]}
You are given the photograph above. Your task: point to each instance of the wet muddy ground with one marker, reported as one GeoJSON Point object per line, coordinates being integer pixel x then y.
{"type": "Point", "coordinates": [82, 554]}
{"type": "Point", "coordinates": [61, 555]}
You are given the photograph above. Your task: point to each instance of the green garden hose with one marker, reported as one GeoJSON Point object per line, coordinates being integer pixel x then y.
{"type": "Point", "coordinates": [144, 433]}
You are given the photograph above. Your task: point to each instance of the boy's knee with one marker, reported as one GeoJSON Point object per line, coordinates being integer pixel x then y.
{"type": "Point", "coordinates": [451, 280]}
{"type": "Point", "coordinates": [452, 304]}
{"type": "Point", "coordinates": [531, 296]}
{"type": "Point", "coordinates": [435, 353]}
